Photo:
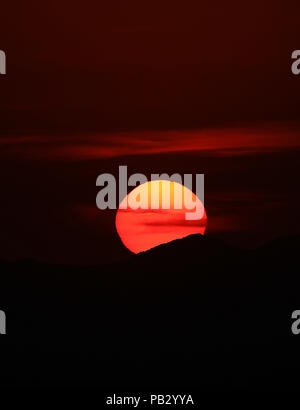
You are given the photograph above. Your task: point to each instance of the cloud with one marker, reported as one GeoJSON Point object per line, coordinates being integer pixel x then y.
{"type": "Point", "coordinates": [266, 137]}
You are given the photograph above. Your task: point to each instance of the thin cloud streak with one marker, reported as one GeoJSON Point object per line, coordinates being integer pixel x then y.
{"type": "Point", "coordinates": [233, 141]}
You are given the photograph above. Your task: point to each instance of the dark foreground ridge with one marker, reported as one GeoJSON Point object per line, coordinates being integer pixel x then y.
{"type": "Point", "coordinates": [191, 250]}
{"type": "Point", "coordinates": [193, 313]}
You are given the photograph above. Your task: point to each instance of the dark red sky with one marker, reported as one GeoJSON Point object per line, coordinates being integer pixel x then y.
{"type": "Point", "coordinates": [94, 65]}
{"type": "Point", "coordinates": [162, 86]}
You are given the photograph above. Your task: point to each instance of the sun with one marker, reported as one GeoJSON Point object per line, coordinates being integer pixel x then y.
{"type": "Point", "coordinates": [157, 212]}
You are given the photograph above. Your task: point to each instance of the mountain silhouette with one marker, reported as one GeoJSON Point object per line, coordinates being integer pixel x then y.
{"type": "Point", "coordinates": [192, 313]}
{"type": "Point", "coordinates": [191, 249]}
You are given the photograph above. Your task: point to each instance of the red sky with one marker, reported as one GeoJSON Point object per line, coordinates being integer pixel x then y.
{"type": "Point", "coordinates": [160, 86]}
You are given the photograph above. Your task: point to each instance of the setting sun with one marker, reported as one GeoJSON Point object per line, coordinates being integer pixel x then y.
{"type": "Point", "coordinates": [157, 212]}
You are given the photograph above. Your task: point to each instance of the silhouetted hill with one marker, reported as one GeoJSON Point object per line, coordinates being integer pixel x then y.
{"type": "Point", "coordinates": [193, 312]}
{"type": "Point", "coordinates": [193, 249]}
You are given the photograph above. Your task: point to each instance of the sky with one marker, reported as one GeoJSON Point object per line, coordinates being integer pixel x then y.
{"type": "Point", "coordinates": [188, 87]}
